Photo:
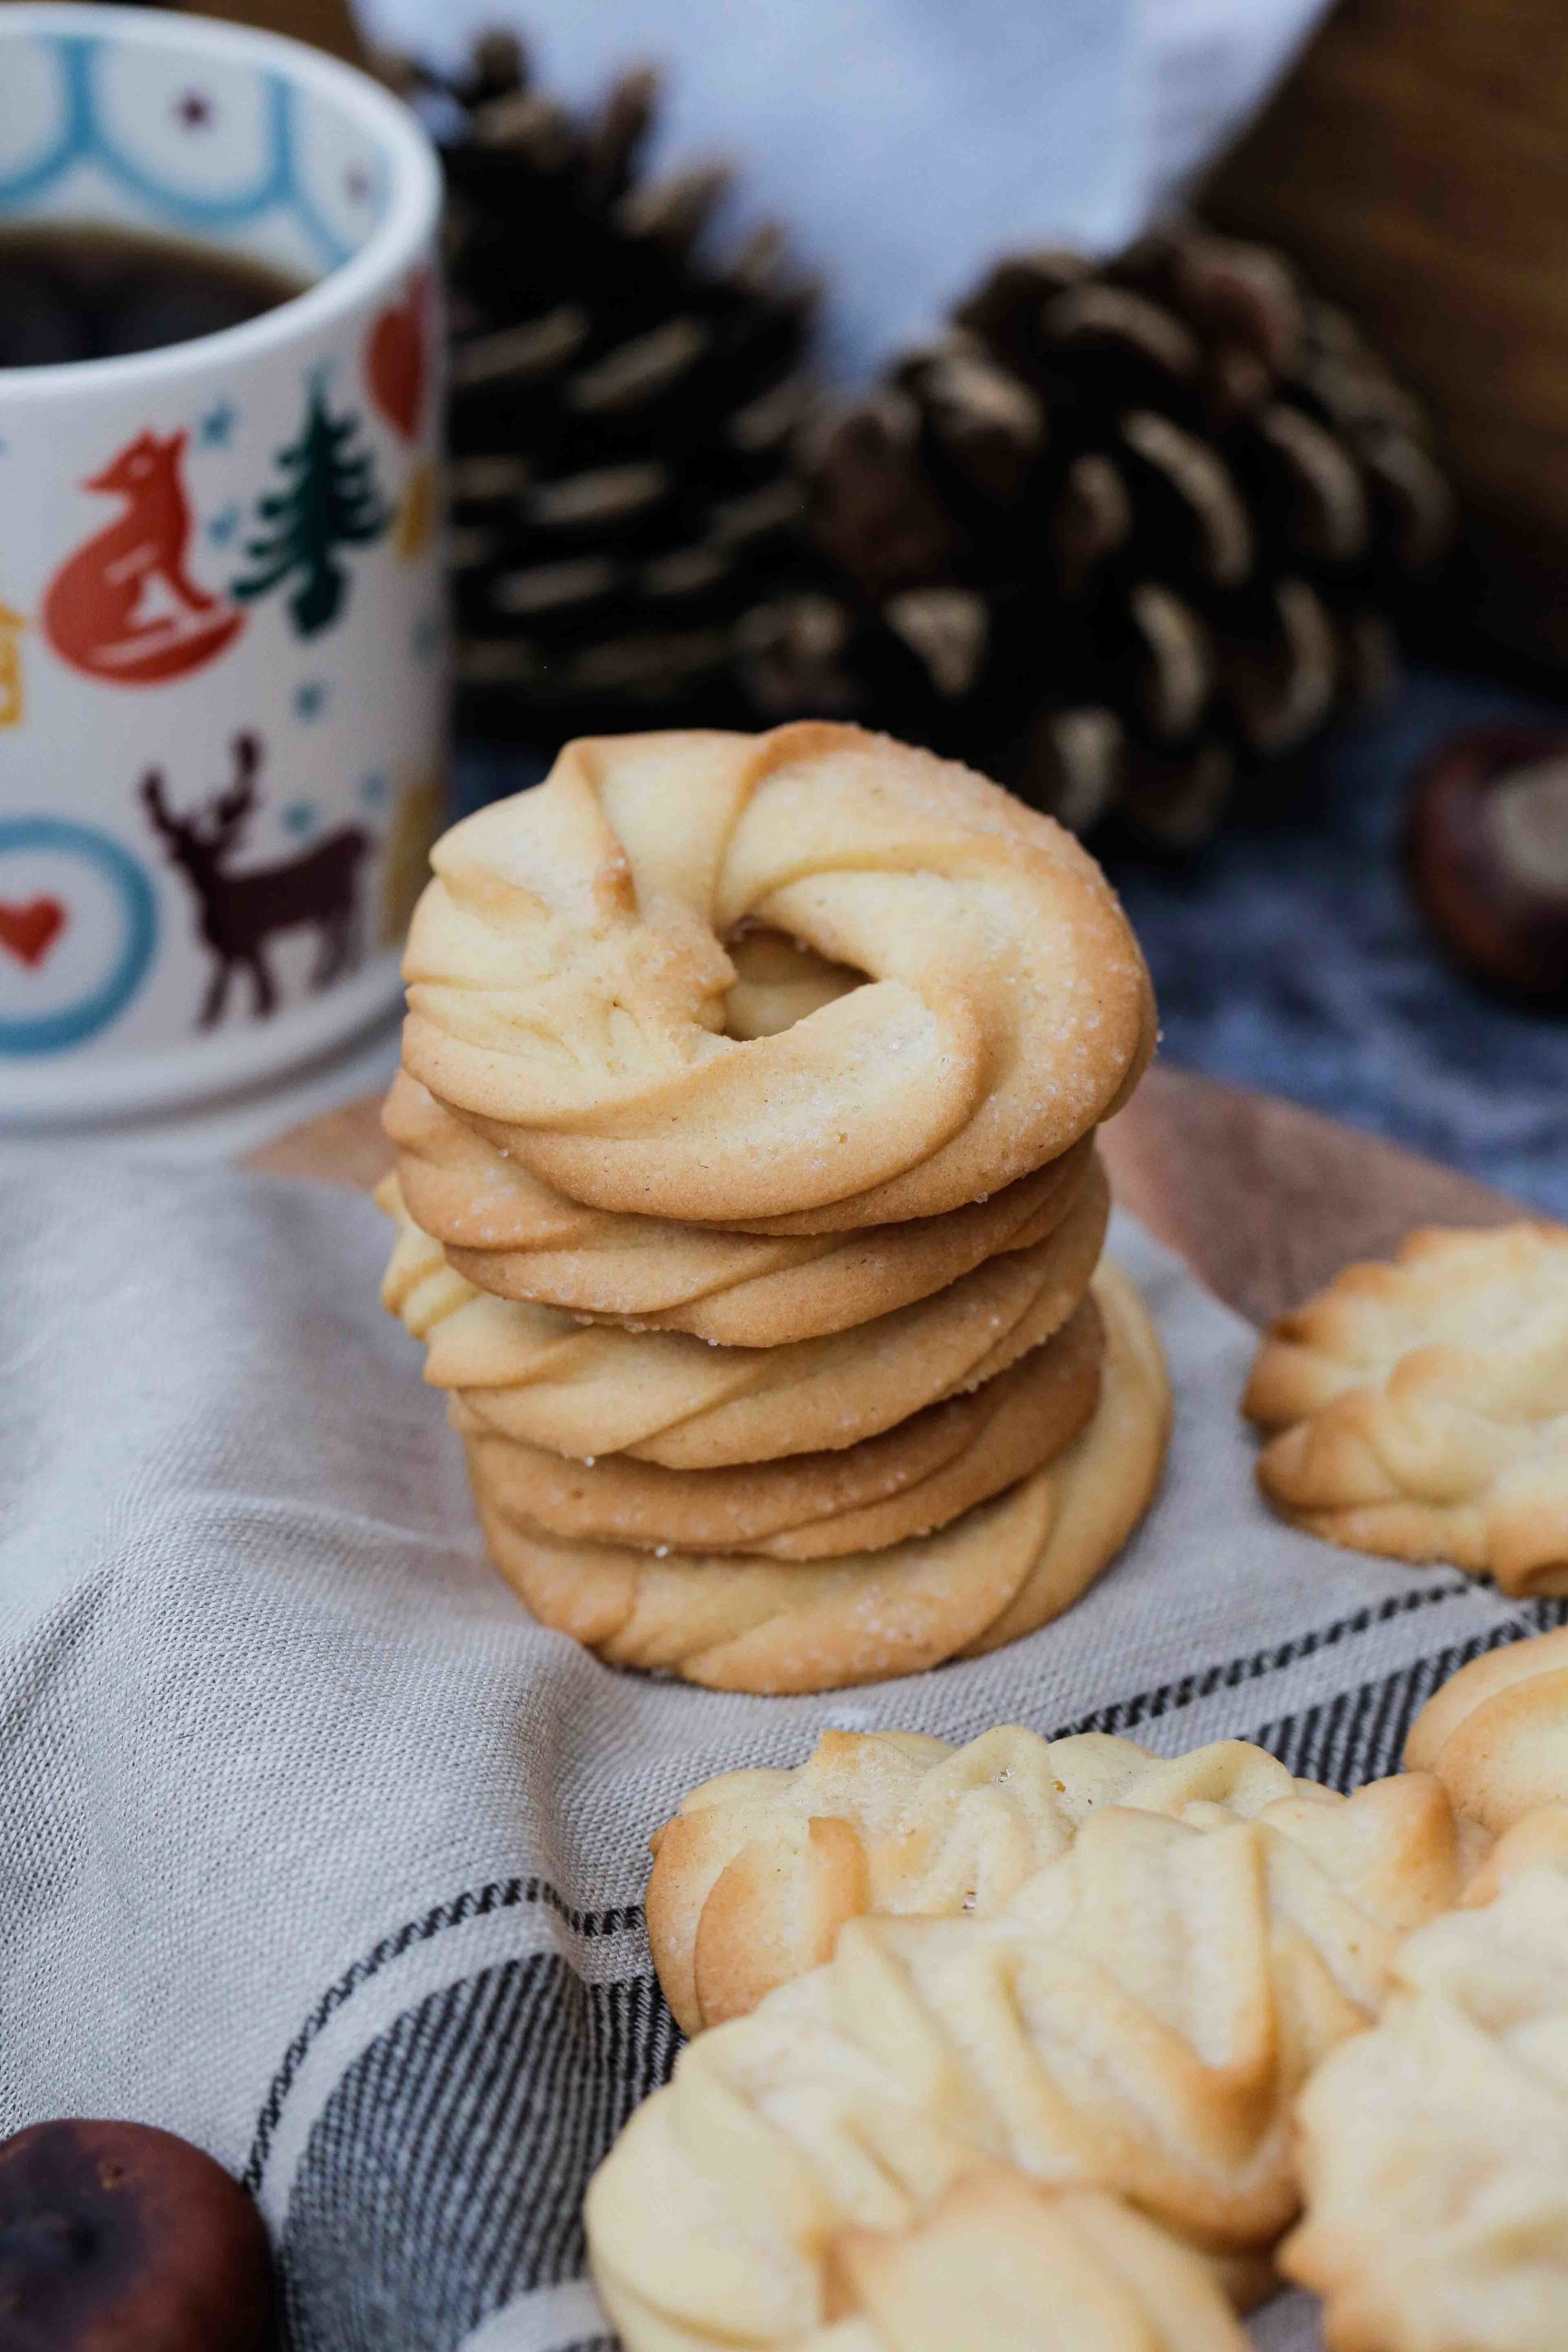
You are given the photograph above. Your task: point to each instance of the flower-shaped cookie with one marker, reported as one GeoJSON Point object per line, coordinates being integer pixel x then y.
{"type": "Point", "coordinates": [1420, 1410]}
{"type": "Point", "coordinates": [1002, 2264]}
{"type": "Point", "coordinates": [758, 1872]}
{"type": "Point", "coordinates": [1138, 2018]}
{"type": "Point", "coordinates": [1434, 2149]}
{"type": "Point", "coordinates": [1496, 1733]}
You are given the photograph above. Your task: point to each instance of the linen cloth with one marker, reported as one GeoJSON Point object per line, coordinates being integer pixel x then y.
{"type": "Point", "coordinates": [315, 1848]}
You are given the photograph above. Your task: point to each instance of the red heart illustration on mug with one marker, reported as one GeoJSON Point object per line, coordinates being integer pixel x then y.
{"type": "Point", "coordinates": [30, 932]}
{"type": "Point", "coordinates": [395, 359]}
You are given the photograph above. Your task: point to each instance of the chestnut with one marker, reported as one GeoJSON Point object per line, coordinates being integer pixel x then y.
{"type": "Point", "coordinates": [116, 2237]}
{"type": "Point", "coordinates": [1488, 845]}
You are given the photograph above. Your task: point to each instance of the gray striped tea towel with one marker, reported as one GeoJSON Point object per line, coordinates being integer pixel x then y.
{"type": "Point", "coordinates": [314, 1849]}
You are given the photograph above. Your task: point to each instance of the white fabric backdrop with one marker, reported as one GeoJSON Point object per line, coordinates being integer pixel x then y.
{"type": "Point", "coordinates": [905, 143]}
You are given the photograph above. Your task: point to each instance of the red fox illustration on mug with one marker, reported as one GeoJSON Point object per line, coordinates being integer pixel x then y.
{"type": "Point", "coordinates": [124, 607]}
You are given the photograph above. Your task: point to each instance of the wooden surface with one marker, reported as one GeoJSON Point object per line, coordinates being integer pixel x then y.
{"type": "Point", "coordinates": [1263, 1200]}
{"type": "Point", "coordinates": [1416, 162]}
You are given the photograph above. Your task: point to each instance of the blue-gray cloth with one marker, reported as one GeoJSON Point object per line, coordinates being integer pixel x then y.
{"type": "Point", "coordinates": [1289, 955]}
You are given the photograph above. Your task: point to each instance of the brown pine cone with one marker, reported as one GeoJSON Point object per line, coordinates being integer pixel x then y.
{"type": "Point", "coordinates": [1119, 533]}
{"type": "Point", "coordinates": [621, 409]}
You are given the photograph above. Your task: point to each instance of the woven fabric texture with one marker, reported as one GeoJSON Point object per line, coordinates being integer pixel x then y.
{"type": "Point", "coordinates": [313, 1847]}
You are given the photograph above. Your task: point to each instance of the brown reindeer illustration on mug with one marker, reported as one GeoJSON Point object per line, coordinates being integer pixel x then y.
{"type": "Point", "coordinates": [239, 913]}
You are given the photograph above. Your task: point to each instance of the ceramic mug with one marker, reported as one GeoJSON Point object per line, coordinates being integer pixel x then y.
{"type": "Point", "coordinates": [222, 644]}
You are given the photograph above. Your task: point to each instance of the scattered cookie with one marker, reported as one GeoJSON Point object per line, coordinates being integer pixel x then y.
{"type": "Point", "coordinates": [991, 1576]}
{"type": "Point", "coordinates": [567, 980]}
{"type": "Point", "coordinates": [1434, 2149]}
{"type": "Point", "coordinates": [1420, 1408]}
{"type": "Point", "coordinates": [1001, 2263]}
{"type": "Point", "coordinates": [1138, 2018]}
{"type": "Point", "coordinates": [758, 1872]}
{"type": "Point", "coordinates": [1496, 1733]}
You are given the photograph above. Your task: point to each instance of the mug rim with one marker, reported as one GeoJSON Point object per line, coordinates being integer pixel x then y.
{"type": "Point", "coordinates": [396, 240]}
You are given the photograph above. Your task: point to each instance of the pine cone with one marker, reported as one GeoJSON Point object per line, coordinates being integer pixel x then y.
{"type": "Point", "coordinates": [1122, 532]}
{"type": "Point", "coordinates": [621, 411]}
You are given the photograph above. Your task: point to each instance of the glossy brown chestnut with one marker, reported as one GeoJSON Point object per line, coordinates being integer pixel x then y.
{"type": "Point", "coordinates": [1488, 848]}
{"type": "Point", "coordinates": [115, 2237]}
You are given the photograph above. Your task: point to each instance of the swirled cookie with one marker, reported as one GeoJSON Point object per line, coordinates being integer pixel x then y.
{"type": "Point", "coordinates": [758, 1872]}
{"type": "Point", "coordinates": [509, 1232]}
{"type": "Point", "coordinates": [1496, 1733]}
{"type": "Point", "coordinates": [534, 1374]}
{"type": "Point", "coordinates": [996, 1574]}
{"type": "Point", "coordinates": [1421, 1409]}
{"type": "Point", "coordinates": [1000, 2263]}
{"type": "Point", "coordinates": [811, 1506]}
{"type": "Point", "coordinates": [567, 980]}
{"type": "Point", "coordinates": [1434, 2150]}
{"type": "Point", "coordinates": [1138, 2018]}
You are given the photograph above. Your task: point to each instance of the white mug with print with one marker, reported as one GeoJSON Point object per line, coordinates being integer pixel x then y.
{"type": "Point", "coordinates": [222, 641]}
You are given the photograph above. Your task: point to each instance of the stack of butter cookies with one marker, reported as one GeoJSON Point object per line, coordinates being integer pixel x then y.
{"type": "Point", "coordinates": [749, 1209]}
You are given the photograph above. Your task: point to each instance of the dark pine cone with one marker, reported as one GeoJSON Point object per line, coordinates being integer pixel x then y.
{"type": "Point", "coordinates": [1121, 532]}
{"type": "Point", "coordinates": [622, 411]}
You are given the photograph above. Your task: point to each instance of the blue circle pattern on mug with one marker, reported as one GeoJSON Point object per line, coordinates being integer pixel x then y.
{"type": "Point", "coordinates": [91, 129]}
{"type": "Point", "coordinates": [71, 1025]}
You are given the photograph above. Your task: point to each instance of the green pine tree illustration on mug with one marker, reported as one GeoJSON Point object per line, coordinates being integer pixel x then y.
{"type": "Point", "coordinates": [330, 499]}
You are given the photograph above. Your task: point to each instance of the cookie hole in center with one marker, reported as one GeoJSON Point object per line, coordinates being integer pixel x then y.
{"type": "Point", "coordinates": [778, 982]}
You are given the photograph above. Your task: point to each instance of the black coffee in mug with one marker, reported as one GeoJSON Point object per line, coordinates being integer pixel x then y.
{"type": "Point", "coordinates": [73, 290]}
